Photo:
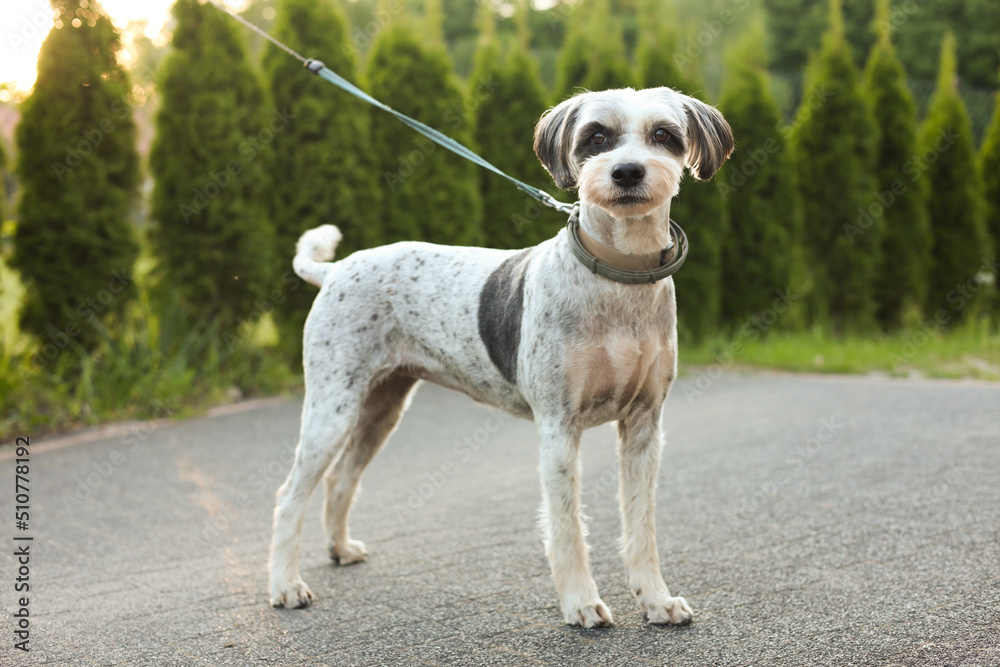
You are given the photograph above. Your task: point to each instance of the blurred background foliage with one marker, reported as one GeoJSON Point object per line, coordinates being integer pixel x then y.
{"type": "Point", "coordinates": [150, 203]}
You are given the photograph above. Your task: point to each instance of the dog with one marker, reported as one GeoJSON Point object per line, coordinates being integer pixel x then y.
{"type": "Point", "coordinates": [534, 332]}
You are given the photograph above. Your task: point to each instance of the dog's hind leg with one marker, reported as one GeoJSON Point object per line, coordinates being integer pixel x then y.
{"type": "Point", "coordinates": [326, 426]}
{"type": "Point", "coordinates": [639, 444]}
{"type": "Point", "coordinates": [380, 414]}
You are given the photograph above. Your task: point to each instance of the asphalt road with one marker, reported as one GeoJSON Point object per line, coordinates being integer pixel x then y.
{"type": "Point", "coordinates": [808, 521]}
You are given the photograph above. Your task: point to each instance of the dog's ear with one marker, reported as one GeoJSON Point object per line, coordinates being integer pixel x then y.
{"type": "Point", "coordinates": [710, 139]}
{"type": "Point", "coordinates": [554, 141]}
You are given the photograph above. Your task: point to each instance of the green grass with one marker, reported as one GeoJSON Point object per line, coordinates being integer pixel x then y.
{"type": "Point", "coordinates": [972, 351]}
{"type": "Point", "coordinates": [153, 367]}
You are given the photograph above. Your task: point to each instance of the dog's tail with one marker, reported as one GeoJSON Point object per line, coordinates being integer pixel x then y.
{"type": "Point", "coordinates": [313, 253]}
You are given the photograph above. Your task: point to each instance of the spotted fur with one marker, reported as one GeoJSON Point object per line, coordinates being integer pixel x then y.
{"type": "Point", "coordinates": [532, 332]}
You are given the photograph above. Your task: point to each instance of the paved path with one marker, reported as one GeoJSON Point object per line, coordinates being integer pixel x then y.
{"type": "Point", "coordinates": [808, 520]}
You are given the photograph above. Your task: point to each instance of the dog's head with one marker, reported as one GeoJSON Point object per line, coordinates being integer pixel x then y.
{"type": "Point", "coordinates": [626, 149]}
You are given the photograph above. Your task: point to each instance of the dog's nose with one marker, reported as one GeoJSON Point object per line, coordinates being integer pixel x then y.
{"type": "Point", "coordinates": [628, 174]}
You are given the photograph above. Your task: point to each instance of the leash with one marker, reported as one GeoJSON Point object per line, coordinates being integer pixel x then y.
{"type": "Point", "coordinates": [671, 258]}
{"type": "Point", "coordinates": [322, 71]}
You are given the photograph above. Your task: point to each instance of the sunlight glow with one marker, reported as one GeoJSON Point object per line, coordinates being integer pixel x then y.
{"type": "Point", "coordinates": [25, 23]}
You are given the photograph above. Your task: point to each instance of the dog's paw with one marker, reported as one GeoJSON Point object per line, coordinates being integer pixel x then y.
{"type": "Point", "coordinates": [352, 552]}
{"type": "Point", "coordinates": [593, 614]}
{"type": "Point", "coordinates": [667, 611]}
{"type": "Point", "coordinates": [291, 596]}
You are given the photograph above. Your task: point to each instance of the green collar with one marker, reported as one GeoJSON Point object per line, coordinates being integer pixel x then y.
{"type": "Point", "coordinates": [670, 258]}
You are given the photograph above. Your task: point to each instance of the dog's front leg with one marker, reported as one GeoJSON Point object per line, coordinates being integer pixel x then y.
{"type": "Point", "coordinates": [562, 524]}
{"type": "Point", "coordinates": [639, 444]}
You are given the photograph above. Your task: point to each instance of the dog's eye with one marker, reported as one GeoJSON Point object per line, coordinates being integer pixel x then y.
{"type": "Point", "coordinates": [661, 136]}
{"type": "Point", "coordinates": [597, 138]}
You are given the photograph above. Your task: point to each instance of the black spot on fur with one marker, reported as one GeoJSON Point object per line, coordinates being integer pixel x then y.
{"type": "Point", "coordinates": [501, 307]}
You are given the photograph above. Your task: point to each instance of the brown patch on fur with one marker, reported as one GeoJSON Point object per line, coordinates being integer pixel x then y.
{"type": "Point", "coordinates": [631, 387]}
{"type": "Point", "coordinates": [618, 378]}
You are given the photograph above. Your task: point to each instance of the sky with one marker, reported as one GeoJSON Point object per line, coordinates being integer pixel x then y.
{"type": "Point", "coordinates": [25, 23]}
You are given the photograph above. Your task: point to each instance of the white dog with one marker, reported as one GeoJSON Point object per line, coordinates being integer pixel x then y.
{"type": "Point", "coordinates": [537, 332]}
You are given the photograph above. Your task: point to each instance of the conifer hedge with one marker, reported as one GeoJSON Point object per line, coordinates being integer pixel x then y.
{"type": "Point", "coordinates": [989, 170]}
{"type": "Point", "coordinates": [3, 189]}
{"type": "Point", "coordinates": [322, 170]}
{"type": "Point", "coordinates": [948, 162]}
{"type": "Point", "coordinates": [428, 193]}
{"type": "Point", "coordinates": [698, 208]}
{"type": "Point", "coordinates": [834, 137]}
{"type": "Point", "coordinates": [901, 279]}
{"type": "Point", "coordinates": [593, 54]}
{"type": "Point", "coordinates": [214, 138]}
{"type": "Point", "coordinates": [505, 122]}
{"type": "Point", "coordinates": [758, 188]}
{"type": "Point", "coordinates": [74, 245]}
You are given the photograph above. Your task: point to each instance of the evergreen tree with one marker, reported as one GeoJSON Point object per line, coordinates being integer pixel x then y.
{"type": "Point", "coordinates": [511, 218]}
{"type": "Point", "coordinates": [758, 186]}
{"type": "Point", "coordinates": [979, 52]}
{"type": "Point", "coordinates": [212, 237]}
{"type": "Point", "coordinates": [3, 189]}
{"type": "Point", "coordinates": [593, 55]}
{"type": "Point", "coordinates": [833, 139]}
{"type": "Point", "coordinates": [796, 26]}
{"type": "Point", "coordinates": [429, 193]}
{"type": "Point", "coordinates": [901, 280]}
{"type": "Point", "coordinates": [78, 169]}
{"type": "Point", "coordinates": [699, 208]}
{"type": "Point", "coordinates": [989, 170]}
{"type": "Point", "coordinates": [322, 166]}
{"type": "Point", "coordinates": [954, 195]}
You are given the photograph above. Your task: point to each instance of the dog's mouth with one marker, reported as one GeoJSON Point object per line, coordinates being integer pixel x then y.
{"type": "Point", "coordinates": [630, 200]}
